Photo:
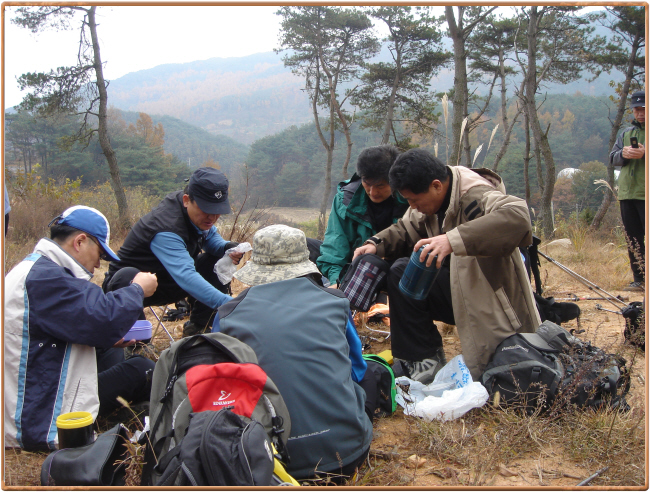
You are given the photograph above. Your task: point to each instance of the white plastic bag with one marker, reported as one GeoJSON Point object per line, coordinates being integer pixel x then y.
{"type": "Point", "coordinates": [225, 268]}
{"type": "Point", "coordinates": [451, 394]}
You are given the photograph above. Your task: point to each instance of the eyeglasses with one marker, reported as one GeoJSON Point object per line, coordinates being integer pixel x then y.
{"type": "Point", "coordinates": [102, 253]}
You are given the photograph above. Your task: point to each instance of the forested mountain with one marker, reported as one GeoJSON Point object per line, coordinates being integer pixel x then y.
{"type": "Point", "coordinates": [195, 146]}
{"type": "Point", "coordinates": [286, 169]}
{"type": "Point", "coordinates": [157, 153]}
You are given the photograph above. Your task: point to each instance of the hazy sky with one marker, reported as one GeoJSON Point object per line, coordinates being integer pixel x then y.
{"type": "Point", "coordinates": [139, 37]}
{"type": "Point", "coordinates": [135, 38]}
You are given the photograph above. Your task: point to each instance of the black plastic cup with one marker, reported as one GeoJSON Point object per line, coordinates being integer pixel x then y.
{"type": "Point", "coordinates": [75, 429]}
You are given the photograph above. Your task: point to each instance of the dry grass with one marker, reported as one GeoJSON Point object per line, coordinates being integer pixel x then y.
{"type": "Point", "coordinates": [499, 447]}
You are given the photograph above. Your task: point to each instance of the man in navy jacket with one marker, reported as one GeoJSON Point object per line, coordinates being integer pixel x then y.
{"type": "Point", "coordinates": [54, 319]}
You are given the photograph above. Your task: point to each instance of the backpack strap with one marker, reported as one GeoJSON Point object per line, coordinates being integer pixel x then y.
{"type": "Point", "coordinates": [277, 429]}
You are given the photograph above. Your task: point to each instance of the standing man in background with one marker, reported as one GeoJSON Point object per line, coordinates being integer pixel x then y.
{"type": "Point", "coordinates": [628, 154]}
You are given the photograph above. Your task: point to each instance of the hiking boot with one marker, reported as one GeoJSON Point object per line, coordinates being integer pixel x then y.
{"type": "Point", "coordinates": [425, 370]}
{"type": "Point", "coordinates": [190, 328]}
{"type": "Point", "coordinates": [634, 287]}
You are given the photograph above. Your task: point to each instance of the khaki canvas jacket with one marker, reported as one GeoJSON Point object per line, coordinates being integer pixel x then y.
{"type": "Point", "coordinates": [491, 292]}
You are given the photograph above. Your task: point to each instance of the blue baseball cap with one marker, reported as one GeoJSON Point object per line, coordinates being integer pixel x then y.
{"type": "Point", "coordinates": [91, 221]}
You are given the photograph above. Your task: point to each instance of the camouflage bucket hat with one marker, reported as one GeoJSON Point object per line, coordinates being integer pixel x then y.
{"type": "Point", "coordinates": [279, 253]}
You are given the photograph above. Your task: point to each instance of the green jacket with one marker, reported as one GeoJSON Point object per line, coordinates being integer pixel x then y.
{"type": "Point", "coordinates": [631, 180]}
{"type": "Point", "coordinates": [348, 226]}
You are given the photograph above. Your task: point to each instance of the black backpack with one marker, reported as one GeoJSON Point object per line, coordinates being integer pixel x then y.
{"type": "Point", "coordinates": [219, 449]}
{"type": "Point", "coordinates": [204, 373]}
{"type": "Point", "coordinates": [385, 403]}
{"type": "Point", "coordinates": [362, 280]}
{"type": "Point", "coordinates": [535, 369]}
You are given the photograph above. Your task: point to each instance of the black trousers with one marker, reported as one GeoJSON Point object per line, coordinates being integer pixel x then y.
{"type": "Point", "coordinates": [414, 335]}
{"type": "Point", "coordinates": [130, 379]}
{"type": "Point", "coordinates": [169, 292]}
{"type": "Point", "coordinates": [633, 215]}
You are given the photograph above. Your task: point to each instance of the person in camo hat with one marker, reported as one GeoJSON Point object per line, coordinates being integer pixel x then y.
{"type": "Point", "coordinates": [306, 342]}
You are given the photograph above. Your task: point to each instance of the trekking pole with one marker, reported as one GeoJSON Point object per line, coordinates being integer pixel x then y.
{"type": "Point", "coordinates": [600, 308]}
{"type": "Point", "coordinates": [575, 298]}
{"type": "Point", "coordinates": [593, 287]}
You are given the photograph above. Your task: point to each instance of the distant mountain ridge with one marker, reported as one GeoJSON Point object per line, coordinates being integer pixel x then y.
{"type": "Point", "coordinates": [243, 98]}
{"type": "Point", "coordinates": [247, 98]}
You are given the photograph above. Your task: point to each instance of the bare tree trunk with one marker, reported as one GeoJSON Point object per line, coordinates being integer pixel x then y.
{"type": "Point", "coordinates": [460, 80]}
{"type": "Point", "coordinates": [541, 138]}
{"type": "Point", "coordinates": [527, 157]}
{"type": "Point", "coordinates": [391, 104]}
{"type": "Point", "coordinates": [508, 126]}
{"type": "Point", "coordinates": [104, 141]}
{"type": "Point", "coordinates": [608, 196]}
{"type": "Point", "coordinates": [328, 181]}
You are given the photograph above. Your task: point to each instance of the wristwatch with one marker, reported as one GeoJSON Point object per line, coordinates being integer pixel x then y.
{"type": "Point", "coordinates": [375, 240]}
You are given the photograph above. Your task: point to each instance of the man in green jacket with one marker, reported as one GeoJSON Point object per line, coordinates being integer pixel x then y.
{"type": "Point", "coordinates": [363, 206]}
{"type": "Point", "coordinates": [630, 157]}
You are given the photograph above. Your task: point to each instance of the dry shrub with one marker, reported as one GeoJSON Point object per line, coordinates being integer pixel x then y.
{"type": "Point", "coordinates": [605, 264]}
{"type": "Point", "coordinates": [35, 204]}
{"type": "Point", "coordinates": [101, 197]}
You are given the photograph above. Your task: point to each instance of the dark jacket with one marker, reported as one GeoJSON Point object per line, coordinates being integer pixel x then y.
{"type": "Point", "coordinates": [54, 317]}
{"type": "Point", "coordinates": [349, 225]}
{"type": "Point", "coordinates": [297, 330]}
{"type": "Point", "coordinates": [169, 216]}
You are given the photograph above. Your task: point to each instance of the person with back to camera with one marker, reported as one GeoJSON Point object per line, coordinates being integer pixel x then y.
{"type": "Point", "coordinates": [463, 217]}
{"type": "Point", "coordinates": [629, 156]}
{"type": "Point", "coordinates": [362, 206]}
{"type": "Point", "coordinates": [169, 241]}
{"type": "Point", "coordinates": [54, 319]}
{"type": "Point", "coordinates": [305, 341]}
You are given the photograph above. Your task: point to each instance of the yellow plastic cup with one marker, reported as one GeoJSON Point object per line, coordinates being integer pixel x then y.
{"type": "Point", "coordinates": [75, 429]}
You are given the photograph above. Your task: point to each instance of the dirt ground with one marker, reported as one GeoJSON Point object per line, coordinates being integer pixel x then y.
{"type": "Point", "coordinates": [551, 469]}
{"type": "Point", "coordinates": [548, 468]}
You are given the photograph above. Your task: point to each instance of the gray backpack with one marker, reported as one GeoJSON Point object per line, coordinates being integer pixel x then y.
{"type": "Point", "coordinates": [210, 372]}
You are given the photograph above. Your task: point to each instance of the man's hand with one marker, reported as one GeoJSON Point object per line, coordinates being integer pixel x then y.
{"type": "Point", "coordinates": [438, 245]}
{"type": "Point", "coordinates": [630, 152]}
{"type": "Point", "coordinates": [236, 257]}
{"type": "Point", "coordinates": [122, 343]}
{"type": "Point", "coordinates": [147, 281]}
{"type": "Point", "coordinates": [366, 248]}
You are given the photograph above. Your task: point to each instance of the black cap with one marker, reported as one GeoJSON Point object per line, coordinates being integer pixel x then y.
{"type": "Point", "coordinates": [638, 100]}
{"type": "Point", "coordinates": [209, 188]}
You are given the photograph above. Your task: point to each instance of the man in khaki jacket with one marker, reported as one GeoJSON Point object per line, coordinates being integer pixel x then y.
{"type": "Point", "coordinates": [463, 217]}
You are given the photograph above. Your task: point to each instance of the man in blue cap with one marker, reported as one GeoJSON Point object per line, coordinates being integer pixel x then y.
{"type": "Point", "coordinates": [179, 242]}
{"type": "Point", "coordinates": [54, 320]}
{"type": "Point", "coordinates": [628, 154]}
